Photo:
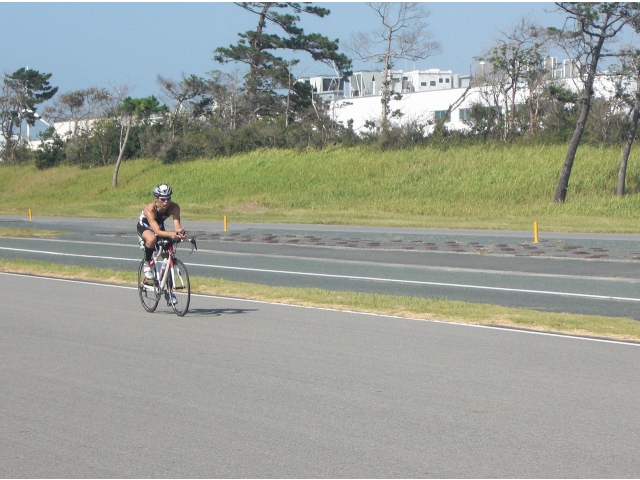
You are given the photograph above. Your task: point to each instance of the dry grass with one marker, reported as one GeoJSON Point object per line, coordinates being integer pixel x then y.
{"type": "Point", "coordinates": [406, 307]}
{"type": "Point", "coordinates": [27, 232]}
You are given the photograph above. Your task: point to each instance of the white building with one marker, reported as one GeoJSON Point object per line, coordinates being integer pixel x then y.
{"type": "Point", "coordinates": [429, 80]}
{"type": "Point", "coordinates": [368, 83]}
{"type": "Point", "coordinates": [423, 107]}
{"type": "Point", "coordinates": [419, 107]}
{"type": "Point", "coordinates": [326, 87]}
{"type": "Point", "coordinates": [425, 94]}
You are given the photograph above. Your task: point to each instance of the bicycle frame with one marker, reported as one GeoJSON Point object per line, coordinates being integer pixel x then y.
{"type": "Point", "coordinates": [163, 276]}
{"type": "Point", "coordinates": [157, 262]}
{"type": "Point", "coordinates": [158, 259]}
{"type": "Point", "coordinates": [173, 282]}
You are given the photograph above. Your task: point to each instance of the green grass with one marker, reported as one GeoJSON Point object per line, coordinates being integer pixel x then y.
{"type": "Point", "coordinates": [492, 187]}
{"type": "Point", "coordinates": [399, 306]}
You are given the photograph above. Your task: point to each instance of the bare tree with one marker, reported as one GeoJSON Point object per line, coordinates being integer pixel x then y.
{"type": "Point", "coordinates": [78, 107]}
{"type": "Point", "coordinates": [537, 81]}
{"type": "Point", "coordinates": [492, 84]}
{"type": "Point", "coordinates": [403, 34]}
{"type": "Point", "coordinates": [588, 31]}
{"type": "Point", "coordinates": [195, 98]}
{"type": "Point", "coordinates": [629, 71]}
{"type": "Point", "coordinates": [186, 90]}
{"type": "Point", "coordinates": [132, 111]}
{"type": "Point", "coordinates": [516, 62]}
{"type": "Point", "coordinates": [224, 94]}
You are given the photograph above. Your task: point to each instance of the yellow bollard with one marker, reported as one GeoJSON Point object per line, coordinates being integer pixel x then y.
{"type": "Point", "coordinates": [30, 216]}
{"type": "Point", "coordinates": [535, 232]}
{"type": "Point", "coordinates": [224, 223]}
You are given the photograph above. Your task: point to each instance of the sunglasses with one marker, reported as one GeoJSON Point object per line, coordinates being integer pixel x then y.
{"type": "Point", "coordinates": [164, 199]}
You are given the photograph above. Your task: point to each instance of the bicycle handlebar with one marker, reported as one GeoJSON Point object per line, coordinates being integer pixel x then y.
{"type": "Point", "coordinates": [167, 242]}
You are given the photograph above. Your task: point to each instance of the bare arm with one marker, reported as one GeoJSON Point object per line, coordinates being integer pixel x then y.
{"type": "Point", "coordinates": [175, 212]}
{"type": "Point", "coordinates": [150, 213]}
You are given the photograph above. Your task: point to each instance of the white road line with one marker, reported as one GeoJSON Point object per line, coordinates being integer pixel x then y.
{"type": "Point", "coordinates": [420, 282]}
{"type": "Point", "coordinates": [363, 262]}
{"type": "Point", "coordinates": [264, 302]}
{"type": "Point", "coordinates": [68, 254]}
{"type": "Point", "coordinates": [353, 277]}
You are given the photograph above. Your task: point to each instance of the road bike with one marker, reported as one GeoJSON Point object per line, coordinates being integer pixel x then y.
{"type": "Point", "coordinates": [170, 278]}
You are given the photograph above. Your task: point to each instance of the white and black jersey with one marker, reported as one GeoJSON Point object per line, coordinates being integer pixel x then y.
{"type": "Point", "coordinates": [143, 221]}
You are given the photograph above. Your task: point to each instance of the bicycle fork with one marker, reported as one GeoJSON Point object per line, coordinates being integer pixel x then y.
{"type": "Point", "coordinates": [168, 282]}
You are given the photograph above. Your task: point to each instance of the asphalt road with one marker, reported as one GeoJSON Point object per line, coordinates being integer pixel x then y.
{"type": "Point", "coordinates": [589, 274]}
{"type": "Point", "coordinates": [94, 387]}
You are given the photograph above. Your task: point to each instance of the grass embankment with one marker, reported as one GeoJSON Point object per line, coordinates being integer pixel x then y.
{"type": "Point", "coordinates": [492, 187]}
{"type": "Point", "coordinates": [407, 307]}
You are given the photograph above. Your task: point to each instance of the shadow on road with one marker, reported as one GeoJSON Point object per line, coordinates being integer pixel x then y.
{"type": "Point", "coordinates": [216, 312]}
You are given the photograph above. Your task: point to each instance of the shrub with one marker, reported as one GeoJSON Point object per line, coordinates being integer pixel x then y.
{"type": "Point", "coordinates": [51, 153]}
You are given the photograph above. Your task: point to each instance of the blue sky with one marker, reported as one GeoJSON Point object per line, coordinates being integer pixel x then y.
{"type": "Point", "coordinates": [98, 44]}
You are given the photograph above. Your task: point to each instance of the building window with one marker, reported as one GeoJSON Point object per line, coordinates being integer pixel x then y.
{"type": "Point", "coordinates": [465, 114]}
{"type": "Point", "coordinates": [439, 115]}
{"type": "Point", "coordinates": [432, 83]}
{"type": "Point", "coordinates": [446, 80]}
{"type": "Point", "coordinates": [423, 84]}
{"type": "Point", "coordinates": [440, 80]}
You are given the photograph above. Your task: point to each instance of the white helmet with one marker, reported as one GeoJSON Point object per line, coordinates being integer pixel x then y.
{"type": "Point", "coordinates": [162, 190]}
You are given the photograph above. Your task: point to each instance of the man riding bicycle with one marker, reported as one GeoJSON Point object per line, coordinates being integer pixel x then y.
{"type": "Point", "coordinates": [151, 224]}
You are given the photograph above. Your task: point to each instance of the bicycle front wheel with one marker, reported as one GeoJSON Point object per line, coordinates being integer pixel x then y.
{"type": "Point", "coordinates": [179, 288]}
{"type": "Point", "coordinates": [148, 291]}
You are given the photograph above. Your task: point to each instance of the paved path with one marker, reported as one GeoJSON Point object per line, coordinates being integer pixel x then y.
{"type": "Point", "coordinates": [94, 387]}
{"type": "Point", "coordinates": [478, 242]}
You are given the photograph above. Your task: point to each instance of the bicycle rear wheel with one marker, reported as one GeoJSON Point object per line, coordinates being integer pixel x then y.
{"type": "Point", "coordinates": [148, 291]}
{"type": "Point", "coordinates": [179, 288]}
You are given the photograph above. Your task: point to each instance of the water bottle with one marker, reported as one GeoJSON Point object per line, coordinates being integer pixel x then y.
{"type": "Point", "coordinates": [154, 264]}
{"type": "Point", "coordinates": [165, 262]}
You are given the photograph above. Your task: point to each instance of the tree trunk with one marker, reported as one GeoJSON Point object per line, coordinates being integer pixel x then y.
{"type": "Point", "coordinates": [585, 106]}
{"type": "Point", "coordinates": [384, 98]}
{"type": "Point", "coordinates": [252, 77]}
{"type": "Point", "coordinates": [505, 127]}
{"type": "Point", "coordinates": [533, 114]}
{"type": "Point", "coordinates": [622, 174]}
{"type": "Point", "coordinates": [9, 147]}
{"type": "Point", "coordinates": [123, 145]}
{"type": "Point", "coordinates": [386, 83]}
{"type": "Point", "coordinates": [563, 180]}
{"type": "Point", "coordinates": [512, 127]}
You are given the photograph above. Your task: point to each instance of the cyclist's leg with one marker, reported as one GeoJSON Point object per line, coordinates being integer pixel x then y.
{"type": "Point", "coordinates": [149, 239]}
{"type": "Point", "coordinates": [148, 243]}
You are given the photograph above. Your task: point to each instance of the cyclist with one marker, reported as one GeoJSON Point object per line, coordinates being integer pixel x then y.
{"type": "Point", "coordinates": [151, 223]}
